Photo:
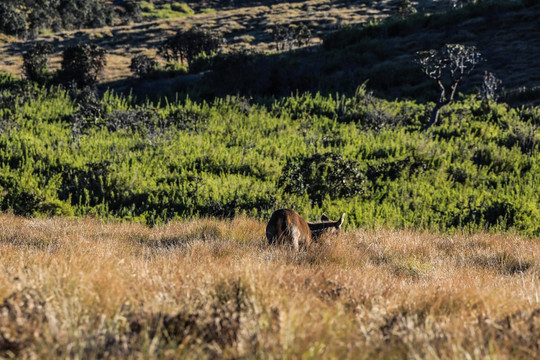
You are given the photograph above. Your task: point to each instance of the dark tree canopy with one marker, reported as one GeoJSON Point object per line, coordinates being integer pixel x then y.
{"type": "Point", "coordinates": [83, 63]}
{"type": "Point", "coordinates": [142, 65]}
{"type": "Point", "coordinates": [35, 62]}
{"type": "Point", "coordinates": [184, 46]}
{"type": "Point", "coordinates": [24, 18]}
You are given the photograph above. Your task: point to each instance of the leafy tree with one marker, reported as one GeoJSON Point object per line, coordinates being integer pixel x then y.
{"type": "Point", "coordinates": [12, 19]}
{"type": "Point", "coordinates": [279, 35]}
{"type": "Point", "coordinates": [83, 63]}
{"type": "Point", "coordinates": [184, 46]}
{"type": "Point", "coordinates": [142, 65]}
{"type": "Point", "coordinates": [23, 17]}
{"type": "Point", "coordinates": [132, 11]}
{"type": "Point", "coordinates": [302, 35]}
{"type": "Point", "coordinates": [76, 14]}
{"type": "Point", "coordinates": [35, 62]}
{"type": "Point", "coordinates": [447, 67]}
{"type": "Point", "coordinates": [293, 35]}
{"type": "Point", "coordinates": [322, 175]}
{"type": "Point", "coordinates": [405, 8]}
{"type": "Point", "coordinates": [43, 14]}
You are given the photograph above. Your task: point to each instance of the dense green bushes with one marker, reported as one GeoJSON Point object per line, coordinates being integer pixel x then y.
{"type": "Point", "coordinates": [27, 18]}
{"type": "Point", "coordinates": [72, 153]}
{"type": "Point", "coordinates": [83, 63]}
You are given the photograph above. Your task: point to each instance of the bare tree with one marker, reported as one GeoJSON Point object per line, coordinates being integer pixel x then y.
{"type": "Point", "coordinates": [489, 87]}
{"type": "Point", "coordinates": [447, 67]}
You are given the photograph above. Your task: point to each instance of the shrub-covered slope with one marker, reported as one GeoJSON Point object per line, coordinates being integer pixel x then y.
{"type": "Point", "coordinates": [384, 53]}
{"type": "Point", "coordinates": [71, 153]}
{"type": "Point", "coordinates": [365, 48]}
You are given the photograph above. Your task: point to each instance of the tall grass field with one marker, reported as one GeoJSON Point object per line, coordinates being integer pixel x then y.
{"type": "Point", "coordinates": [211, 288]}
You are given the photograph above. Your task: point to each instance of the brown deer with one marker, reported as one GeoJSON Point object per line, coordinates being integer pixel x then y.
{"type": "Point", "coordinates": [286, 226]}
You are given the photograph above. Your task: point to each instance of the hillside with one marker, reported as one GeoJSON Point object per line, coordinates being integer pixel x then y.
{"type": "Point", "coordinates": [214, 289]}
{"type": "Point", "coordinates": [505, 32]}
{"type": "Point", "coordinates": [248, 27]}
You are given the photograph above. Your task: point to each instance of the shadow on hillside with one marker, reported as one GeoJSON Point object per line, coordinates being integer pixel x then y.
{"type": "Point", "coordinates": [384, 56]}
{"type": "Point", "coordinates": [381, 54]}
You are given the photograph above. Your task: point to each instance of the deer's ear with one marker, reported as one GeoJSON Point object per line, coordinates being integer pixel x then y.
{"type": "Point", "coordinates": [324, 217]}
{"type": "Point", "coordinates": [340, 222]}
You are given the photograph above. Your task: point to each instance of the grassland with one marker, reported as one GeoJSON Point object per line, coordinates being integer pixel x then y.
{"type": "Point", "coordinates": [209, 288]}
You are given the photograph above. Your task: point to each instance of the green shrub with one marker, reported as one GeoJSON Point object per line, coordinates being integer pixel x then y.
{"type": "Point", "coordinates": [12, 20]}
{"type": "Point", "coordinates": [323, 175]}
{"type": "Point", "coordinates": [35, 63]}
{"type": "Point", "coordinates": [143, 65]}
{"type": "Point", "coordinates": [186, 45]}
{"type": "Point", "coordinates": [146, 6]}
{"type": "Point", "coordinates": [65, 152]}
{"type": "Point", "coordinates": [182, 7]}
{"type": "Point", "coordinates": [83, 63]}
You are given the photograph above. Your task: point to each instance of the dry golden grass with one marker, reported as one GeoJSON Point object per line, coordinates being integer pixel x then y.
{"type": "Point", "coordinates": [209, 288]}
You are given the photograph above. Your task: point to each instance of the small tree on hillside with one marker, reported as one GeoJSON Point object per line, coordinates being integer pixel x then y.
{"type": "Point", "coordinates": [132, 11]}
{"type": "Point", "coordinates": [35, 62]}
{"type": "Point", "coordinates": [447, 67]}
{"type": "Point", "coordinates": [83, 63]}
{"type": "Point", "coordinates": [186, 45]}
{"type": "Point", "coordinates": [302, 35]}
{"type": "Point", "coordinates": [143, 65]}
{"type": "Point", "coordinates": [279, 35]}
{"type": "Point", "coordinates": [12, 19]}
{"type": "Point", "coordinates": [293, 35]}
{"type": "Point", "coordinates": [489, 88]}
{"type": "Point", "coordinates": [405, 8]}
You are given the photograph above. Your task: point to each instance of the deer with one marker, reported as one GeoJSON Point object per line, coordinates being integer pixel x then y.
{"type": "Point", "coordinates": [288, 227]}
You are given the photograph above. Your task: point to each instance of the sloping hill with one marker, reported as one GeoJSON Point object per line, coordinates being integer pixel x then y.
{"type": "Point", "coordinates": [247, 27]}
{"type": "Point", "coordinates": [507, 33]}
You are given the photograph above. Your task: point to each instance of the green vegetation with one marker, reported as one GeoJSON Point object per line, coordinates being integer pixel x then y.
{"type": "Point", "coordinates": [165, 11]}
{"type": "Point", "coordinates": [35, 61]}
{"type": "Point", "coordinates": [82, 64]}
{"type": "Point", "coordinates": [28, 18]}
{"type": "Point", "coordinates": [185, 46]}
{"type": "Point", "coordinates": [71, 153]}
{"type": "Point", "coordinates": [25, 18]}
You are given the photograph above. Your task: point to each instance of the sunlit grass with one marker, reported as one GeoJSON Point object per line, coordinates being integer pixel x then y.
{"type": "Point", "coordinates": [211, 288]}
{"type": "Point", "coordinates": [151, 11]}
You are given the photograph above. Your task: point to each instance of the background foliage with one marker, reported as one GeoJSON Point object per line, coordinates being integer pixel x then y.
{"type": "Point", "coordinates": [74, 153]}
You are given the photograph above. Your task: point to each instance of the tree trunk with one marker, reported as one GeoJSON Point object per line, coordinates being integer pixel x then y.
{"type": "Point", "coordinates": [435, 115]}
{"type": "Point", "coordinates": [442, 102]}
